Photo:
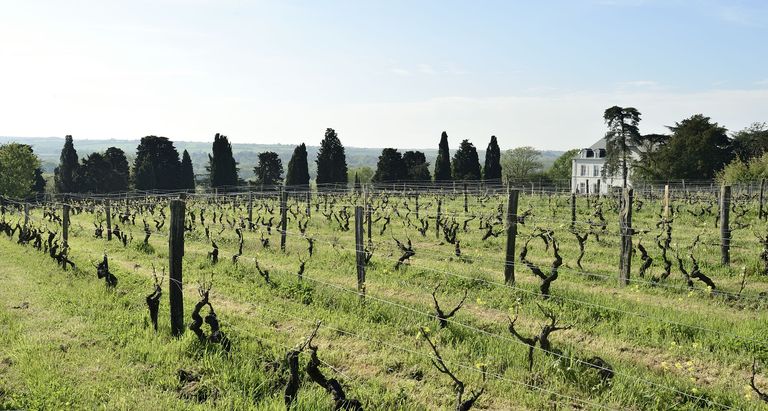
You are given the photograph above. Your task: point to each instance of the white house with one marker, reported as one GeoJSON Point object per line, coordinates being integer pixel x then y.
{"type": "Point", "coordinates": [587, 170]}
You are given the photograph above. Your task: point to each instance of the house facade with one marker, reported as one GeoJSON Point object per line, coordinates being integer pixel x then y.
{"type": "Point", "coordinates": [587, 171]}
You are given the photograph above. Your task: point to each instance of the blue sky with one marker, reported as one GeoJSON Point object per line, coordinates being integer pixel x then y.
{"type": "Point", "coordinates": [393, 73]}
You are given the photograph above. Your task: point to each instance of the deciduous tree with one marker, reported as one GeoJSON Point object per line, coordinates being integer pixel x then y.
{"type": "Point", "coordinates": [17, 169]}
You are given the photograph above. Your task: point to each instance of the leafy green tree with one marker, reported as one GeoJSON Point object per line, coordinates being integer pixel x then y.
{"type": "Point", "coordinates": [622, 135]}
{"type": "Point", "coordinates": [751, 142]}
{"type": "Point", "coordinates": [492, 168]}
{"type": "Point", "coordinates": [364, 174]}
{"type": "Point", "coordinates": [187, 172]}
{"type": "Point", "coordinates": [521, 163]}
{"type": "Point", "coordinates": [740, 171]}
{"type": "Point", "coordinates": [156, 165]}
{"type": "Point", "coordinates": [17, 170]}
{"type": "Point", "coordinates": [647, 167]}
{"type": "Point", "coordinates": [466, 164]}
{"type": "Point", "coordinates": [94, 174]}
{"type": "Point", "coordinates": [696, 150]}
{"type": "Point", "coordinates": [390, 167]}
{"type": "Point", "coordinates": [562, 167]}
{"type": "Point", "coordinates": [298, 168]}
{"type": "Point", "coordinates": [417, 167]}
{"type": "Point", "coordinates": [65, 173]}
{"type": "Point", "coordinates": [331, 160]}
{"type": "Point", "coordinates": [117, 180]}
{"type": "Point", "coordinates": [222, 165]}
{"type": "Point", "coordinates": [443, 162]}
{"type": "Point", "coordinates": [269, 170]}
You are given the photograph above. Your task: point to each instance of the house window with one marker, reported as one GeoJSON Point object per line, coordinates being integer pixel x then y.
{"type": "Point", "coordinates": [582, 187]}
{"type": "Point", "coordinates": [590, 153]}
{"type": "Point", "coordinates": [596, 171]}
{"type": "Point", "coordinates": [583, 170]}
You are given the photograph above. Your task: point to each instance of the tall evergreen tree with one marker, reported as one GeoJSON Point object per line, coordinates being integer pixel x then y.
{"type": "Point", "coordinates": [222, 165]}
{"type": "Point", "coordinates": [94, 174]}
{"type": "Point", "coordinates": [623, 134]}
{"type": "Point", "coordinates": [466, 164]}
{"type": "Point", "coordinates": [118, 177]}
{"type": "Point", "coordinates": [492, 168]}
{"type": "Point", "coordinates": [443, 162]}
{"type": "Point", "coordinates": [66, 172]}
{"type": "Point", "coordinates": [156, 165]}
{"type": "Point", "coordinates": [269, 170]}
{"type": "Point", "coordinates": [416, 165]}
{"type": "Point", "coordinates": [187, 172]}
{"type": "Point", "coordinates": [697, 149]}
{"type": "Point", "coordinates": [298, 168]}
{"type": "Point", "coordinates": [390, 167]}
{"type": "Point", "coordinates": [38, 185]}
{"type": "Point", "coordinates": [331, 160]}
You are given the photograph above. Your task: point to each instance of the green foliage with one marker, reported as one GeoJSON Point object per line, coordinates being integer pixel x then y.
{"type": "Point", "coordinates": [622, 135]}
{"type": "Point", "coordinates": [187, 172]}
{"type": "Point", "coordinates": [521, 163]}
{"type": "Point", "coordinates": [492, 168]}
{"type": "Point", "coordinates": [562, 167]}
{"type": "Point", "coordinates": [751, 142]}
{"type": "Point", "coordinates": [331, 160]}
{"type": "Point", "coordinates": [390, 167]}
{"type": "Point", "coordinates": [466, 164]}
{"type": "Point", "coordinates": [298, 168]}
{"type": "Point", "coordinates": [17, 170]}
{"type": "Point", "coordinates": [94, 174]}
{"type": "Point", "coordinates": [417, 167]}
{"type": "Point", "coordinates": [443, 163]}
{"type": "Point", "coordinates": [221, 164]}
{"type": "Point", "coordinates": [647, 168]}
{"type": "Point", "coordinates": [740, 171]}
{"type": "Point", "coordinates": [696, 150]}
{"type": "Point", "coordinates": [157, 165]}
{"type": "Point", "coordinates": [269, 171]}
{"type": "Point", "coordinates": [39, 183]}
{"type": "Point", "coordinates": [65, 173]}
{"type": "Point", "coordinates": [364, 174]}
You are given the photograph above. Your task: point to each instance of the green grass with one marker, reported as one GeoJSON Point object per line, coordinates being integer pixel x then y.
{"type": "Point", "coordinates": [80, 345]}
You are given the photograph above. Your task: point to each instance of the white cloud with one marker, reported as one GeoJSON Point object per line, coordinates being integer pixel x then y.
{"type": "Point", "coordinates": [400, 71]}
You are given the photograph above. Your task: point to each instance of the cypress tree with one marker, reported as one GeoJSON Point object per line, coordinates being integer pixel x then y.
{"type": "Point", "coordinates": [466, 164]}
{"type": "Point", "coordinates": [443, 162]}
{"type": "Point", "coordinates": [492, 168]}
{"type": "Point", "coordinates": [417, 168]}
{"type": "Point", "coordinates": [66, 172]}
{"type": "Point", "coordinates": [187, 172]}
{"type": "Point", "coordinates": [269, 170]}
{"type": "Point", "coordinates": [117, 180]}
{"type": "Point", "coordinates": [222, 164]}
{"type": "Point", "coordinates": [390, 167]}
{"type": "Point", "coordinates": [157, 164]}
{"type": "Point", "coordinates": [298, 169]}
{"type": "Point", "coordinates": [331, 160]}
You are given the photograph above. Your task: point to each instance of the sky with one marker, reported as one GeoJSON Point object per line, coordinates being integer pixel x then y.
{"type": "Point", "coordinates": [382, 74]}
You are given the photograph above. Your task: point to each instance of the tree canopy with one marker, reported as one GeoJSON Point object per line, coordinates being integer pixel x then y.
{"type": "Point", "coordinates": [562, 167]}
{"type": "Point", "coordinates": [466, 164]}
{"type": "Point", "coordinates": [492, 167]}
{"type": "Point", "coordinates": [416, 165]}
{"type": "Point", "coordinates": [623, 133]}
{"type": "Point", "coordinates": [269, 171]}
{"type": "Point", "coordinates": [221, 164]}
{"type": "Point", "coordinates": [751, 142]}
{"type": "Point", "coordinates": [696, 150]}
{"type": "Point", "coordinates": [187, 172]}
{"type": "Point", "coordinates": [298, 168]}
{"type": "Point", "coordinates": [390, 167]}
{"type": "Point", "coordinates": [66, 172]}
{"type": "Point", "coordinates": [521, 163]}
{"type": "Point", "coordinates": [331, 160]}
{"type": "Point", "coordinates": [17, 170]}
{"type": "Point", "coordinates": [157, 165]}
{"type": "Point", "coordinates": [443, 170]}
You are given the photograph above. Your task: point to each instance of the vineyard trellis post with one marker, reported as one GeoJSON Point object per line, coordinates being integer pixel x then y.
{"type": "Point", "coordinates": [725, 232]}
{"type": "Point", "coordinates": [417, 205]}
{"type": "Point", "coordinates": [26, 214]}
{"type": "Point", "coordinates": [573, 210]}
{"type": "Point", "coordinates": [359, 251]}
{"type": "Point", "coordinates": [309, 202]}
{"type": "Point", "coordinates": [108, 212]}
{"type": "Point", "coordinates": [509, 260]}
{"type": "Point", "coordinates": [597, 191]}
{"type": "Point", "coordinates": [368, 214]}
{"type": "Point", "coordinates": [625, 223]}
{"type": "Point", "coordinates": [175, 277]}
{"type": "Point", "coordinates": [666, 202]}
{"type": "Point", "coordinates": [437, 219]}
{"type": "Point", "coordinates": [761, 213]}
{"type": "Point", "coordinates": [250, 208]}
{"type": "Point", "coordinates": [466, 209]}
{"type": "Point", "coordinates": [65, 225]}
{"type": "Point", "coordinates": [283, 218]}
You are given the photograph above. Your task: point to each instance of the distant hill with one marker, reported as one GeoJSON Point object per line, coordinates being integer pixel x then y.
{"type": "Point", "coordinates": [49, 149]}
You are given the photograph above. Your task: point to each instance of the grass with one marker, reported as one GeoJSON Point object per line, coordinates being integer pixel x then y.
{"type": "Point", "coordinates": [79, 345]}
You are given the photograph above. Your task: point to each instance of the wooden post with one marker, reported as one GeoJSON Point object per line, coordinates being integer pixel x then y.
{"type": "Point", "coordinates": [309, 202]}
{"type": "Point", "coordinates": [250, 209]}
{"type": "Point", "coordinates": [359, 251]}
{"type": "Point", "coordinates": [666, 202]}
{"type": "Point", "coordinates": [437, 219]}
{"type": "Point", "coordinates": [509, 261]}
{"type": "Point", "coordinates": [368, 215]}
{"type": "Point", "coordinates": [65, 225]}
{"type": "Point", "coordinates": [26, 214]}
{"type": "Point", "coordinates": [175, 278]}
{"type": "Point", "coordinates": [625, 225]}
{"type": "Point", "coordinates": [466, 209]}
{"type": "Point", "coordinates": [761, 213]}
{"type": "Point", "coordinates": [597, 190]}
{"type": "Point", "coordinates": [725, 232]}
{"type": "Point", "coordinates": [573, 210]}
{"type": "Point", "coordinates": [283, 218]}
{"type": "Point", "coordinates": [108, 211]}
{"type": "Point", "coordinates": [417, 205]}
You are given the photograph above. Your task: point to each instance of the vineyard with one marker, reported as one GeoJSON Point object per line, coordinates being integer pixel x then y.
{"type": "Point", "coordinates": [409, 298]}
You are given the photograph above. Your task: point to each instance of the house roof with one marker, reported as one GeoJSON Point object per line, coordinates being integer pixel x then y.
{"type": "Point", "coordinates": [598, 144]}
